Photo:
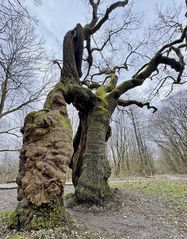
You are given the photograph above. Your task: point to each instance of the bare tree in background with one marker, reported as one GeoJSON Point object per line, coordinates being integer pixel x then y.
{"type": "Point", "coordinates": [146, 166]}
{"type": "Point", "coordinates": [22, 61]}
{"type": "Point", "coordinates": [170, 132]}
{"type": "Point", "coordinates": [128, 144]}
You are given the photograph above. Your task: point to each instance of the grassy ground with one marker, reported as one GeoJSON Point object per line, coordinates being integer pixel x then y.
{"type": "Point", "coordinates": [175, 191]}
{"type": "Point", "coordinates": [172, 193]}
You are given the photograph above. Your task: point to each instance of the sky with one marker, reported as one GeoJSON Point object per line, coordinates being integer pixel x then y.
{"type": "Point", "coordinates": [56, 17]}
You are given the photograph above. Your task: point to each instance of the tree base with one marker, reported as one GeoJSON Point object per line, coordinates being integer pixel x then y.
{"type": "Point", "coordinates": [92, 192]}
{"type": "Point", "coordinates": [30, 217]}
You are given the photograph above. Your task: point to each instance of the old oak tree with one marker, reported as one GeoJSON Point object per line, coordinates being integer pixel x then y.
{"type": "Point", "coordinates": [47, 136]}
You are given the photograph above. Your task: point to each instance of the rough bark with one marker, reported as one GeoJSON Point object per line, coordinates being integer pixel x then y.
{"type": "Point", "coordinates": [72, 55]}
{"type": "Point", "coordinates": [92, 185]}
{"type": "Point", "coordinates": [79, 145]}
{"type": "Point", "coordinates": [90, 165]}
{"type": "Point", "coordinates": [89, 162]}
{"type": "Point", "coordinates": [47, 149]}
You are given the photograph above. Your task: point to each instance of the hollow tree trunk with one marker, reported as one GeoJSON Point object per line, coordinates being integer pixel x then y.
{"type": "Point", "coordinates": [47, 148]}
{"type": "Point", "coordinates": [90, 165]}
{"type": "Point", "coordinates": [92, 185]}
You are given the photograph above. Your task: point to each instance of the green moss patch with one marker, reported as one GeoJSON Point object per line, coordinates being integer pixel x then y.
{"type": "Point", "coordinates": [46, 218]}
{"type": "Point", "coordinates": [48, 102]}
{"type": "Point", "coordinates": [68, 195]}
{"type": "Point", "coordinates": [64, 120]}
{"type": "Point", "coordinates": [32, 116]}
{"type": "Point", "coordinates": [71, 230]}
{"type": "Point", "coordinates": [8, 216]}
{"type": "Point", "coordinates": [92, 193]}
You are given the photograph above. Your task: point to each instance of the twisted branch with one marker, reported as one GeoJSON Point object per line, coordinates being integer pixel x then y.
{"type": "Point", "coordinates": [125, 103]}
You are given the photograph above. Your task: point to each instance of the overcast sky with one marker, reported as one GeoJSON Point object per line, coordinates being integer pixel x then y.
{"type": "Point", "coordinates": [56, 17]}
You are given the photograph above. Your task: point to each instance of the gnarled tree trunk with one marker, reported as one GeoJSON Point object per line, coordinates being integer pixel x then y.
{"type": "Point", "coordinates": [92, 185]}
{"type": "Point", "coordinates": [89, 162]}
{"type": "Point", "coordinates": [90, 165]}
{"type": "Point", "coordinates": [47, 149]}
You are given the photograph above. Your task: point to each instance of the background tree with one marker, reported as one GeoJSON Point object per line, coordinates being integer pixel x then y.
{"type": "Point", "coordinates": [146, 163]}
{"type": "Point", "coordinates": [170, 127]}
{"type": "Point", "coordinates": [119, 147]}
{"type": "Point", "coordinates": [129, 145]}
{"type": "Point", "coordinates": [22, 62]}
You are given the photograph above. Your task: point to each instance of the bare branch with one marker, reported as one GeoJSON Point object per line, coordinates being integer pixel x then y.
{"type": "Point", "coordinates": [125, 103]}
{"type": "Point", "coordinates": [110, 35]}
{"type": "Point", "coordinates": [149, 68]}
{"type": "Point", "coordinates": [9, 132]}
{"type": "Point", "coordinates": [94, 13]}
{"type": "Point", "coordinates": [9, 150]}
{"type": "Point", "coordinates": [58, 64]}
{"type": "Point", "coordinates": [107, 13]}
{"type": "Point", "coordinates": [183, 36]}
{"type": "Point", "coordinates": [32, 98]}
{"type": "Point", "coordinates": [101, 72]}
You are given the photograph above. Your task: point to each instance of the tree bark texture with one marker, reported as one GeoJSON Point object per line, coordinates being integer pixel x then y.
{"type": "Point", "coordinates": [47, 149]}
{"type": "Point", "coordinates": [89, 162]}
{"type": "Point", "coordinates": [90, 165]}
{"type": "Point", "coordinates": [92, 185]}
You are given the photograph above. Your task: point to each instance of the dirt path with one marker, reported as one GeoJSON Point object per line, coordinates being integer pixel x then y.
{"type": "Point", "coordinates": [139, 217]}
{"type": "Point", "coordinates": [8, 192]}
{"type": "Point", "coordinates": [175, 177]}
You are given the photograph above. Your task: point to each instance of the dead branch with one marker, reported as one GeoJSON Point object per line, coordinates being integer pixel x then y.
{"type": "Point", "coordinates": [125, 103]}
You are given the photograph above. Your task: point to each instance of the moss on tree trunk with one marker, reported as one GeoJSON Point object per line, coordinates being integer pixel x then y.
{"type": "Point", "coordinates": [92, 185]}
{"type": "Point", "coordinates": [47, 149]}
{"type": "Point", "coordinates": [90, 165]}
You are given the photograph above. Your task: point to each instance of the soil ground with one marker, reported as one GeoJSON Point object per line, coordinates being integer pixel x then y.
{"type": "Point", "coordinates": [139, 210]}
